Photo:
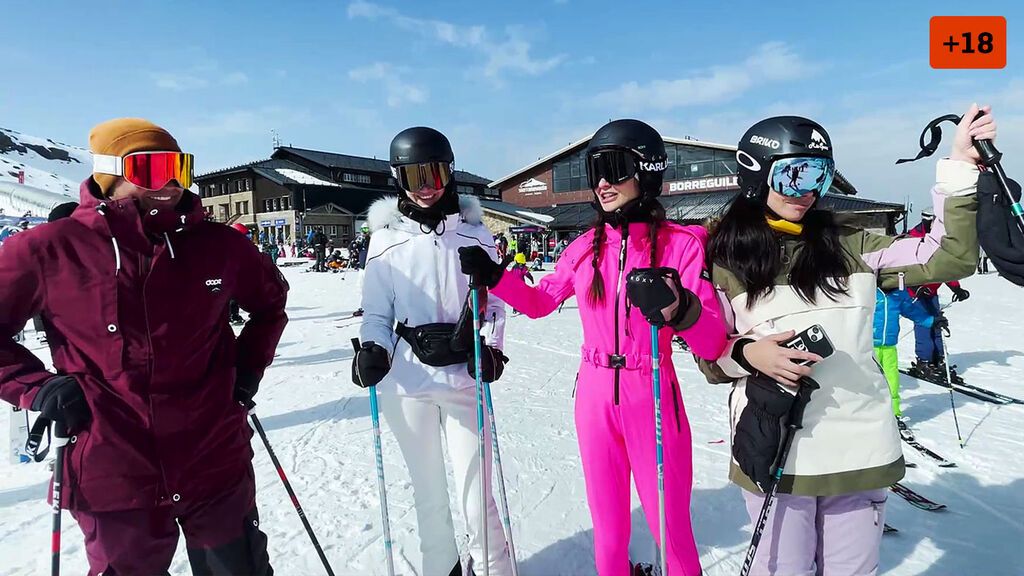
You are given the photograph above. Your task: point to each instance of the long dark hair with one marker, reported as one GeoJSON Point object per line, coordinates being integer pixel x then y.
{"type": "Point", "coordinates": [646, 211]}
{"type": "Point", "coordinates": [745, 244]}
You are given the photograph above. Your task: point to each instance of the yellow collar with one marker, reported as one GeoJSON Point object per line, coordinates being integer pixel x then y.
{"type": "Point", "coordinates": [785, 226]}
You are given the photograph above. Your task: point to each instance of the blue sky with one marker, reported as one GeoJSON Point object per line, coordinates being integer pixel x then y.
{"type": "Point", "coordinates": [508, 82]}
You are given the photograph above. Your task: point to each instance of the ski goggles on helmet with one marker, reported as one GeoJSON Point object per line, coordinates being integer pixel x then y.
{"type": "Point", "coordinates": [149, 170]}
{"type": "Point", "coordinates": [413, 177]}
{"type": "Point", "coordinates": [799, 176]}
{"type": "Point", "coordinates": [612, 164]}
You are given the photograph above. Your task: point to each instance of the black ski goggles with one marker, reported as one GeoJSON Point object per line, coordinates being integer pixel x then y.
{"type": "Point", "coordinates": [413, 177]}
{"type": "Point", "coordinates": [612, 164]}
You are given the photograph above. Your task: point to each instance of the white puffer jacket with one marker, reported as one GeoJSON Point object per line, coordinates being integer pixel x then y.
{"type": "Point", "coordinates": [413, 277]}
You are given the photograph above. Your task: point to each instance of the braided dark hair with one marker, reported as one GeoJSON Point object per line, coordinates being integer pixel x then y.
{"type": "Point", "coordinates": [651, 211]}
{"type": "Point", "coordinates": [596, 293]}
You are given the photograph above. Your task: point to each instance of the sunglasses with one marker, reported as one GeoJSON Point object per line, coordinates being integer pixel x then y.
{"type": "Point", "coordinates": [800, 176]}
{"type": "Point", "coordinates": [614, 166]}
{"type": "Point", "coordinates": [149, 170]}
{"type": "Point", "coordinates": [413, 177]}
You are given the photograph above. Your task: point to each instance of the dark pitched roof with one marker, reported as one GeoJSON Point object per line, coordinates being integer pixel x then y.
{"type": "Point", "coordinates": [361, 163]}
{"type": "Point", "coordinates": [269, 170]}
{"type": "Point", "coordinates": [228, 170]}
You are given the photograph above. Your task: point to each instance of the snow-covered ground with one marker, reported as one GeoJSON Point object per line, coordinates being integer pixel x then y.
{"type": "Point", "coordinates": [319, 425]}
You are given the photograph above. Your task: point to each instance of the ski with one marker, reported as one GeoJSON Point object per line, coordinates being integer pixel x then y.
{"type": "Point", "coordinates": [913, 443]}
{"type": "Point", "coordinates": [960, 386]}
{"type": "Point", "coordinates": [974, 392]}
{"type": "Point", "coordinates": [889, 530]}
{"type": "Point", "coordinates": [915, 499]}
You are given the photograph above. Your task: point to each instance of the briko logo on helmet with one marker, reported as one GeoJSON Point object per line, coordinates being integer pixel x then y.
{"type": "Point", "coordinates": [766, 142]}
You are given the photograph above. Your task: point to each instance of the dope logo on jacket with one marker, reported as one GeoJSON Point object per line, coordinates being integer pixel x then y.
{"type": "Point", "coordinates": [214, 285]}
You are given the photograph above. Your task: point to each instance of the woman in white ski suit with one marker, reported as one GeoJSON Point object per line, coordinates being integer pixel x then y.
{"type": "Point", "coordinates": [412, 276]}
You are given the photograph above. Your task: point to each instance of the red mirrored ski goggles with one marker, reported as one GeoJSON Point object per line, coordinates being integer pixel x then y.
{"type": "Point", "coordinates": [149, 170]}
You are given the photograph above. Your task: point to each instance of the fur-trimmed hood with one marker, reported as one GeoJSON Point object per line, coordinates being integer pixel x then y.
{"type": "Point", "coordinates": [384, 212]}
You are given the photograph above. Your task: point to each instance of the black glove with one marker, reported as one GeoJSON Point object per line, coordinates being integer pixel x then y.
{"type": "Point", "coordinates": [758, 439]}
{"type": "Point", "coordinates": [477, 263]}
{"type": "Point", "coordinates": [247, 384]}
{"type": "Point", "coordinates": [647, 290]}
{"type": "Point", "coordinates": [492, 364]}
{"type": "Point", "coordinates": [940, 322]}
{"type": "Point", "coordinates": [924, 293]}
{"type": "Point", "coordinates": [959, 294]}
{"type": "Point", "coordinates": [370, 365]}
{"type": "Point", "coordinates": [61, 400]}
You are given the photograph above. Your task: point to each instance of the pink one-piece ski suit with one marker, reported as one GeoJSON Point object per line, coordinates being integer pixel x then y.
{"type": "Point", "coordinates": [615, 406]}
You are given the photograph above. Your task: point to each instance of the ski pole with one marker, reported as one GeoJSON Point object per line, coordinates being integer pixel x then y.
{"type": "Point", "coordinates": [60, 441]}
{"type": "Point", "coordinates": [382, 490]}
{"type": "Point", "coordinates": [288, 487]}
{"type": "Point", "coordinates": [480, 423]}
{"type": "Point", "coordinates": [656, 380]}
{"type": "Point", "coordinates": [795, 423]}
{"type": "Point", "coordinates": [507, 520]}
{"type": "Point", "coordinates": [949, 383]}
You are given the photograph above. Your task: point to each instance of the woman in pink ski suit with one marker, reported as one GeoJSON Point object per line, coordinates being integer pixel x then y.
{"type": "Point", "coordinates": [614, 397]}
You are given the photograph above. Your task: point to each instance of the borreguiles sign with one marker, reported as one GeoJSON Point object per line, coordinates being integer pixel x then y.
{"type": "Point", "coordinates": [709, 183]}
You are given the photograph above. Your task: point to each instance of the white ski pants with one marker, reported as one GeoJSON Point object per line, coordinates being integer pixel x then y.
{"type": "Point", "coordinates": [421, 425]}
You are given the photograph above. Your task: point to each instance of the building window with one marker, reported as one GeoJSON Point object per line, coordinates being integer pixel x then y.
{"type": "Point", "coordinates": [224, 212]}
{"type": "Point", "coordinates": [248, 184]}
{"type": "Point", "coordinates": [277, 204]}
{"type": "Point", "coordinates": [391, 181]}
{"type": "Point", "coordinates": [346, 231]}
{"type": "Point", "coordinates": [238, 207]}
{"type": "Point", "coordinates": [334, 231]}
{"type": "Point", "coordinates": [284, 203]}
{"type": "Point", "coordinates": [266, 206]}
{"type": "Point", "coordinates": [463, 189]}
{"type": "Point", "coordinates": [570, 174]}
{"type": "Point", "coordinates": [245, 207]}
{"type": "Point", "coordinates": [223, 188]}
{"type": "Point", "coordinates": [725, 162]}
{"type": "Point", "coordinates": [356, 178]}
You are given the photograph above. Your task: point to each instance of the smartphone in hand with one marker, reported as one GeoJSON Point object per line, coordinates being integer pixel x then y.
{"type": "Point", "coordinates": [812, 340]}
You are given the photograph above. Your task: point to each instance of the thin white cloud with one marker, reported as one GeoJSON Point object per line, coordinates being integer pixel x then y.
{"type": "Point", "coordinates": [512, 52]}
{"type": "Point", "coordinates": [770, 62]}
{"type": "Point", "coordinates": [196, 78]}
{"type": "Point", "coordinates": [398, 91]}
{"type": "Point", "coordinates": [245, 122]}
{"type": "Point", "coordinates": [235, 79]}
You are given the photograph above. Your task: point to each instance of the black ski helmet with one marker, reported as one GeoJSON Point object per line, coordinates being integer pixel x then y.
{"type": "Point", "coordinates": [774, 138]}
{"type": "Point", "coordinates": [644, 142]}
{"type": "Point", "coordinates": [420, 145]}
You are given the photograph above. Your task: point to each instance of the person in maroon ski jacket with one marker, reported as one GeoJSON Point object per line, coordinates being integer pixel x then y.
{"type": "Point", "coordinates": [148, 376]}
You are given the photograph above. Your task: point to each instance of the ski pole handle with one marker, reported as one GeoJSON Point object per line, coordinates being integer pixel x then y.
{"type": "Point", "coordinates": [986, 148]}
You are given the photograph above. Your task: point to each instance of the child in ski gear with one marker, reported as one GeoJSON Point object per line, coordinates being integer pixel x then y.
{"type": "Point", "coordinates": [424, 373]}
{"type": "Point", "coordinates": [614, 399]}
{"type": "Point", "coordinates": [889, 306]}
{"type": "Point", "coordinates": [782, 266]}
{"type": "Point", "coordinates": [151, 395]}
{"type": "Point", "coordinates": [931, 358]}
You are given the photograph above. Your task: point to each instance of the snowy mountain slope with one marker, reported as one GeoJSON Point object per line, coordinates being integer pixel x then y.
{"type": "Point", "coordinates": [319, 425]}
{"type": "Point", "coordinates": [47, 164]}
